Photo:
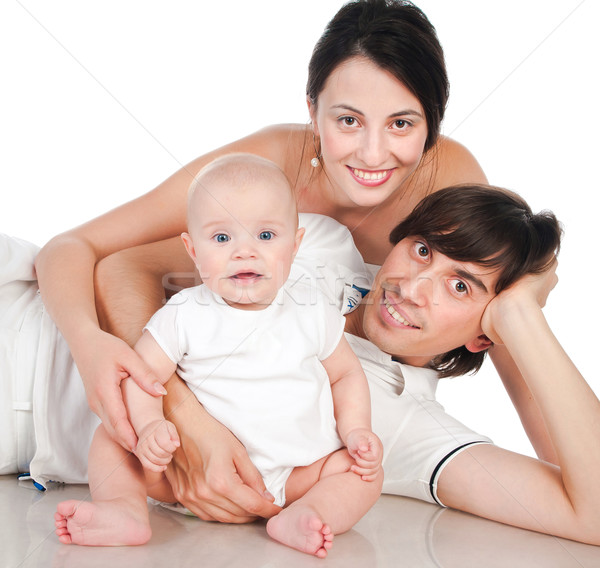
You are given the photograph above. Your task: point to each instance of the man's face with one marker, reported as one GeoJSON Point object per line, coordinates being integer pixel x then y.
{"type": "Point", "coordinates": [424, 304]}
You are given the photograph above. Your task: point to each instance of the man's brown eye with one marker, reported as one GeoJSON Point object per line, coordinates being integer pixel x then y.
{"type": "Point", "coordinates": [423, 250]}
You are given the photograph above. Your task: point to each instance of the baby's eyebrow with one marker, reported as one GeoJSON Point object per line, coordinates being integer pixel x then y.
{"type": "Point", "coordinates": [471, 278]}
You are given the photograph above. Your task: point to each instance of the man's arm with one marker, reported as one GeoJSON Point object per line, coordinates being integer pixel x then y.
{"type": "Point", "coordinates": [485, 480]}
{"type": "Point", "coordinates": [524, 403]}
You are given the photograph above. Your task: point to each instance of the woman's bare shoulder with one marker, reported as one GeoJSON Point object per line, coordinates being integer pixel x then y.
{"type": "Point", "coordinates": [277, 137]}
{"type": "Point", "coordinates": [455, 164]}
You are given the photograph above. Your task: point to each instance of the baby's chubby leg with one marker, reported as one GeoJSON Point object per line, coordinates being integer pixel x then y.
{"type": "Point", "coordinates": [118, 514]}
{"type": "Point", "coordinates": [325, 498]}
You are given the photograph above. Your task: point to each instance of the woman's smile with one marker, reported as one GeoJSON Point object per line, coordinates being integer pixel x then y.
{"type": "Point", "coordinates": [372, 127]}
{"type": "Point", "coordinates": [371, 178]}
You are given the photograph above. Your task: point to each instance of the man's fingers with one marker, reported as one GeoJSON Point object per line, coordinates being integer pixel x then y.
{"type": "Point", "coordinates": [252, 502]}
{"type": "Point", "coordinates": [210, 512]}
{"type": "Point", "coordinates": [247, 507]}
{"type": "Point", "coordinates": [248, 473]}
{"type": "Point", "coordinates": [233, 503]}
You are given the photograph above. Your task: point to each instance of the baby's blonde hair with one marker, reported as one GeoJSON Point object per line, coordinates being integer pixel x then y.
{"type": "Point", "coordinates": [238, 169]}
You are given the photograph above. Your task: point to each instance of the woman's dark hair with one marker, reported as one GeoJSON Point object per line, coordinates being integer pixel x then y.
{"type": "Point", "coordinates": [489, 226]}
{"type": "Point", "coordinates": [396, 36]}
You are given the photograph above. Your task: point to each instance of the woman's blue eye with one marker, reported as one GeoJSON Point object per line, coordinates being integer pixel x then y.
{"type": "Point", "coordinates": [221, 238]}
{"type": "Point", "coordinates": [266, 236]}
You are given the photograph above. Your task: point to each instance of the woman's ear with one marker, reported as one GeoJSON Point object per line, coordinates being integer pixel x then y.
{"type": "Point", "coordinates": [480, 343]}
{"type": "Point", "coordinates": [312, 111]}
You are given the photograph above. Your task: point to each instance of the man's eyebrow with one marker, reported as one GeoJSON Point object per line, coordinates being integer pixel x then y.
{"type": "Point", "coordinates": [471, 278]}
{"type": "Point", "coordinates": [407, 112]}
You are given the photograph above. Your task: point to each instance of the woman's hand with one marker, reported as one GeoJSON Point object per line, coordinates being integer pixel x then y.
{"type": "Point", "coordinates": [529, 292]}
{"type": "Point", "coordinates": [105, 364]}
{"type": "Point", "coordinates": [211, 473]}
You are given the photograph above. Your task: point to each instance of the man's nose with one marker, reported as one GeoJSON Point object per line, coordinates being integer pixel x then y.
{"type": "Point", "coordinates": [418, 288]}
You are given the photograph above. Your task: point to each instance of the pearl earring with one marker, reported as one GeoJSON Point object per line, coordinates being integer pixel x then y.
{"type": "Point", "coordinates": [315, 162]}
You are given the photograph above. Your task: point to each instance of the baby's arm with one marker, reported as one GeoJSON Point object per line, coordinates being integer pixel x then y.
{"type": "Point", "coordinates": [157, 438]}
{"type": "Point", "coordinates": [352, 409]}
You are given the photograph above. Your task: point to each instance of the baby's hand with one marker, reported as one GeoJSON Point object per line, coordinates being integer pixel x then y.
{"type": "Point", "coordinates": [157, 442]}
{"type": "Point", "coordinates": [366, 449]}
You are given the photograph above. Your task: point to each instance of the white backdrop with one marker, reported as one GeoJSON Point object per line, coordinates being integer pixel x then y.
{"type": "Point", "coordinates": [103, 100]}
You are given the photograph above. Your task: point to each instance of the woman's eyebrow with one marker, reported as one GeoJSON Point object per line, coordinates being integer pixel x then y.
{"type": "Point", "coordinates": [407, 112]}
{"type": "Point", "coordinates": [471, 278]}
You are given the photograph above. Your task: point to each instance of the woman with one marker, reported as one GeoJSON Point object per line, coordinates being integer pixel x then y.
{"type": "Point", "coordinates": [371, 153]}
{"type": "Point", "coordinates": [425, 177]}
{"type": "Point", "coordinates": [365, 160]}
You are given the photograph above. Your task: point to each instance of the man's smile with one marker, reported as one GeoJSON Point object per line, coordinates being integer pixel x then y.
{"type": "Point", "coordinates": [397, 315]}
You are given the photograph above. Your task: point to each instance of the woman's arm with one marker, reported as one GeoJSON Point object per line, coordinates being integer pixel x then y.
{"type": "Point", "coordinates": [65, 269]}
{"type": "Point", "coordinates": [211, 473]}
{"type": "Point", "coordinates": [562, 500]}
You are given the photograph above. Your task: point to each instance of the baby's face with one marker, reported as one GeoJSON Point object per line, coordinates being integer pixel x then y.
{"type": "Point", "coordinates": [244, 240]}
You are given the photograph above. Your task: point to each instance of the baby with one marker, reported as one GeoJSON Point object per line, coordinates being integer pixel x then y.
{"type": "Point", "coordinates": [265, 355]}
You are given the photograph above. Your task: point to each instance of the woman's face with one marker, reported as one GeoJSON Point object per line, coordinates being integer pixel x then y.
{"type": "Point", "coordinates": [372, 131]}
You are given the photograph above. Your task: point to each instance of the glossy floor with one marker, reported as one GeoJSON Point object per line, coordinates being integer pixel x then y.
{"type": "Point", "coordinates": [396, 532]}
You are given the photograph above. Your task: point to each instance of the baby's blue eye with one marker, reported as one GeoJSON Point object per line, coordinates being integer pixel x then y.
{"type": "Point", "coordinates": [221, 238]}
{"type": "Point", "coordinates": [266, 236]}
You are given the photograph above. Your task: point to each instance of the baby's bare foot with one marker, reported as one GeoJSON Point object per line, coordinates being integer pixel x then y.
{"type": "Point", "coordinates": [103, 523]}
{"type": "Point", "coordinates": [302, 528]}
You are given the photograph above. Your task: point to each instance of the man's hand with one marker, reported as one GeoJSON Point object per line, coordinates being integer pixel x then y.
{"type": "Point", "coordinates": [211, 473]}
{"type": "Point", "coordinates": [529, 292]}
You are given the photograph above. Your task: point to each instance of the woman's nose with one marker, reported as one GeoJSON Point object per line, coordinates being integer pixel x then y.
{"type": "Point", "coordinates": [373, 150]}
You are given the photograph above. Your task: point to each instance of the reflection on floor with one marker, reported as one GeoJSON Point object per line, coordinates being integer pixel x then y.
{"type": "Point", "coordinates": [396, 532]}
